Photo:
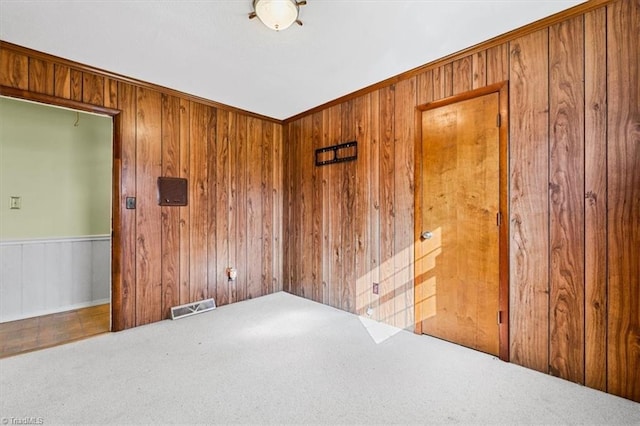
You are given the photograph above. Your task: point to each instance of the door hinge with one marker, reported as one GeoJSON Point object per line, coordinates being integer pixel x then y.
{"type": "Point", "coordinates": [498, 120]}
{"type": "Point", "coordinates": [499, 317]}
{"type": "Point", "coordinates": [498, 219]}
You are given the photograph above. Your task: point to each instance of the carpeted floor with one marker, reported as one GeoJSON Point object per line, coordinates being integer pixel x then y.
{"type": "Point", "coordinates": [283, 359]}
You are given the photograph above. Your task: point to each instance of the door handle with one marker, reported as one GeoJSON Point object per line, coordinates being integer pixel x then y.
{"type": "Point", "coordinates": [426, 235]}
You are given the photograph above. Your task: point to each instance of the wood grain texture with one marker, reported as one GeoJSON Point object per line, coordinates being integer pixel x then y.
{"type": "Point", "coordinates": [403, 183]}
{"type": "Point", "coordinates": [387, 308]}
{"type": "Point", "coordinates": [148, 219]}
{"type": "Point", "coordinates": [14, 69]}
{"type": "Point", "coordinates": [374, 177]}
{"type": "Point", "coordinates": [463, 75]}
{"type": "Point", "coordinates": [336, 277]}
{"type": "Point", "coordinates": [529, 316]}
{"type": "Point", "coordinates": [348, 214]}
{"type": "Point", "coordinates": [623, 195]}
{"type": "Point", "coordinates": [185, 235]}
{"type": "Point", "coordinates": [498, 64]}
{"type": "Point", "coordinates": [479, 69]}
{"type": "Point", "coordinates": [170, 238]}
{"type": "Point", "coordinates": [92, 89]}
{"type": "Point", "coordinates": [595, 193]}
{"type": "Point", "coordinates": [220, 204]}
{"type": "Point", "coordinates": [198, 201]}
{"type": "Point", "coordinates": [110, 93]}
{"type": "Point", "coordinates": [267, 208]}
{"type": "Point", "coordinates": [125, 302]}
{"type": "Point", "coordinates": [211, 204]}
{"type": "Point", "coordinates": [305, 194]}
{"type": "Point", "coordinates": [41, 76]}
{"type": "Point", "coordinates": [316, 211]}
{"type": "Point", "coordinates": [278, 191]}
{"type": "Point", "coordinates": [362, 213]}
{"type": "Point", "coordinates": [163, 256]}
{"type": "Point", "coordinates": [254, 209]}
{"type": "Point", "coordinates": [75, 78]}
{"type": "Point", "coordinates": [566, 200]}
{"type": "Point", "coordinates": [62, 82]}
{"type": "Point", "coordinates": [241, 245]}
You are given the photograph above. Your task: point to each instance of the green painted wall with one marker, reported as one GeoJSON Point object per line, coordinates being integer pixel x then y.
{"type": "Point", "coordinates": [61, 172]}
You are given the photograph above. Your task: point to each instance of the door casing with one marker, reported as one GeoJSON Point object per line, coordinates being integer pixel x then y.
{"type": "Point", "coordinates": [503, 257]}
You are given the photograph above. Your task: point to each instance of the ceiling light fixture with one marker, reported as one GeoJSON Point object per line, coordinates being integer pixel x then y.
{"type": "Point", "coordinates": [277, 14]}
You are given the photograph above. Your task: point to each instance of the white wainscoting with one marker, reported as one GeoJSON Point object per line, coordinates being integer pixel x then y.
{"type": "Point", "coordinates": [44, 276]}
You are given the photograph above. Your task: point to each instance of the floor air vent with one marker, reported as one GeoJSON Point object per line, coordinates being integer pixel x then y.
{"type": "Point", "coordinates": [192, 308]}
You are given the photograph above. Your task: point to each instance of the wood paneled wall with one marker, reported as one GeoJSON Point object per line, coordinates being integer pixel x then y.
{"type": "Point", "coordinates": [233, 162]}
{"type": "Point", "coordinates": [574, 195]}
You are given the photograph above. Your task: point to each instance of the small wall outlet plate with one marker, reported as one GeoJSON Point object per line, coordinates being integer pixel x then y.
{"type": "Point", "coordinates": [131, 203]}
{"type": "Point", "coordinates": [15, 203]}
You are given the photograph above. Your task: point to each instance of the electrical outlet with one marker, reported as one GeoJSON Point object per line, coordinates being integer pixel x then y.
{"type": "Point", "coordinates": [15, 203]}
{"type": "Point", "coordinates": [376, 288]}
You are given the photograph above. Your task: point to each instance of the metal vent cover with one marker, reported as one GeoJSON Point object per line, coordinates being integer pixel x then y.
{"type": "Point", "coordinates": [189, 309]}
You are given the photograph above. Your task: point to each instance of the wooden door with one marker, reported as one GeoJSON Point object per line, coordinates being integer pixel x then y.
{"type": "Point", "coordinates": [458, 224]}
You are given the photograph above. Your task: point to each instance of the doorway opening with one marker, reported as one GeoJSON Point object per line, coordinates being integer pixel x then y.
{"type": "Point", "coordinates": [57, 221]}
{"type": "Point", "coordinates": [461, 224]}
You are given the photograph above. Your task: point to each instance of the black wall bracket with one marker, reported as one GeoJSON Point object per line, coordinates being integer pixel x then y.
{"type": "Point", "coordinates": [337, 154]}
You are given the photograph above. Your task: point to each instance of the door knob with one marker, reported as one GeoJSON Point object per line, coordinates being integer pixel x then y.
{"type": "Point", "coordinates": [426, 235]}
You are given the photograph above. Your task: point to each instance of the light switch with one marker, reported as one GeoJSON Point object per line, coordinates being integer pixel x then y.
{"type": "Point", "coordinates": [15, 203]}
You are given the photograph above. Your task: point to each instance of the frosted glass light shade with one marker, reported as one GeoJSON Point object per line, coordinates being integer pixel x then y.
{"type": "Point", "coordinates": [276, 14]}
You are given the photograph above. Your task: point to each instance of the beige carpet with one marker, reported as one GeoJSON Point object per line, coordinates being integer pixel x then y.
{"type": "Point", "coordinates": [283, 359]}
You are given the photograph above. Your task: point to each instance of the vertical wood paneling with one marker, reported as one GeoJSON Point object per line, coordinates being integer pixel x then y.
{"type": "Point", "coordinates": [288, 164]}
{"type": "Point", "coordinates": [254, 208]}
{"type": "Point", "coordinates": [198, 201]}
{"type": "Point", "coordinates": [425, 88]}
{"type": "Point", "coordinates": [233, 166]}
{"type": "Point", "coordinates": [92, 89]}
{"type": "Point", "coordinates": [403, 173]}
{"type": "Point", "coordinates": [211, 204]}
{"type": "Point", "coordinates": [375, 201]}
{"type": "Point", "coordinates": [566, 195]}
{"type": "Point", "coordinates": [62, 81]}
{"type": "Point", "coordinates": [170, 215]}
{"type": "Point", "coordinates": [148, 240]}
{"type": "Point", "coordinates": [185, 234]}
{"type": "Point", "coordinates": [327, 283]}
{"type": "Point", "coordinates": [110, 93]}
{"type": "Point", "coordinates": [347, 211]}
{"type": "Point", "coordinates": [529, 165]}
{"type": "Point", "coordinates": [169, 256]}
{"type": "Point", "coordinates": [334, 211]}
{"type": "Point", "coordinates": [267, 209]}
{"type": "Point", "coordinates": [479, 69]}
{"type": "Point", "coordinates": [277, 207]}
{"type": "Point", "coordinates": [220, 203]}
{"type": "Point", "coordinates": [595, 189]}
{"type": "Point", "coordinates": [443, 81]}
{"type": "Point", "coordinates": [362, 213]}
{"type": "Point", "coordinates": [498, 63]}
{"type": "Point", "coordinates": [305, 191]}
{"type": "Point", "coordinates": [242, 262]}
{"type": "Point", "coordinates": [75, 77]}
{"type": "Point", "coordinates": [316, 210]}
{"type": "Point", "coordinates": [124, 303]}
{"type": "Point", "coordinates": [387, 306]}
{"type": "Point", "coordinates": [14, 69]}
{"type": "Point", "coordinates": [623, 195]}
{"type": "Point", "coordinates": [41, 76]}
{"type": "Point", "coordinates": [462, 75]}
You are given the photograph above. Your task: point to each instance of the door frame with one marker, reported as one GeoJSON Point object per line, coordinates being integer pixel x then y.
{"type": "Point", "coordinates": [117, 319]}
{"type": "Point", "coordinates": [502, 89]}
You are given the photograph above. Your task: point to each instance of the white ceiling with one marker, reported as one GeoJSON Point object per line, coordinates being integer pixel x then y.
{"type": "Point", "coordinates": [211, 49]}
